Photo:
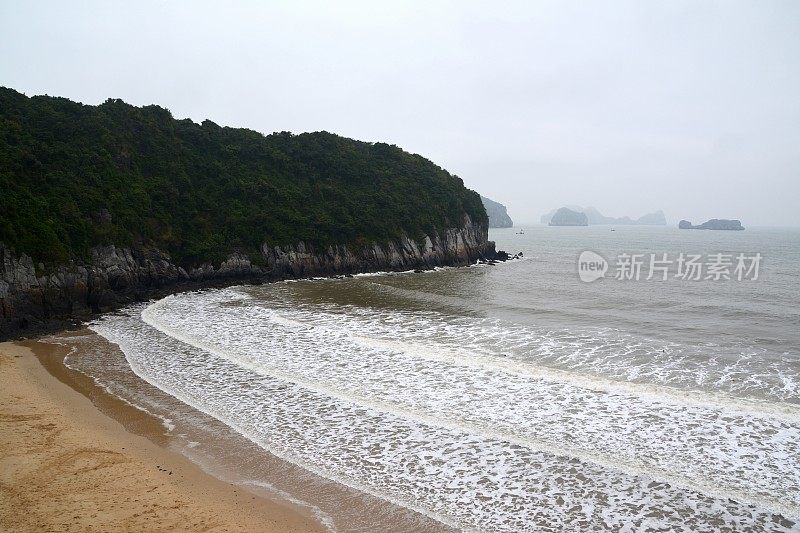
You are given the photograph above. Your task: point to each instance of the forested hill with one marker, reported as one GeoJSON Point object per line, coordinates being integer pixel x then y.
{"type": "Point", "coordinates": [73, 176]}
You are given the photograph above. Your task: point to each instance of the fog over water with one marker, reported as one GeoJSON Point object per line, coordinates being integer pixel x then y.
{"type": "Point", "coordinates": [690, 107]}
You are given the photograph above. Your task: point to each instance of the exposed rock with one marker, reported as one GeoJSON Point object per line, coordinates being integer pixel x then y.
{"type": "Point", "coordinates": [116, 276]}
{"type": "Point", "coordinates": [568, 217]}
{"type": "Point", "coordinates": [715, 224]}
{"type": "Point", "coordinates": [498, 216]}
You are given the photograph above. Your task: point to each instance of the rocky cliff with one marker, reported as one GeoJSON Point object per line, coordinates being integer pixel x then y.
{"type": "Point", "coordinates": [101, 205]}
{"type": "Point", "coordinates": [498, 216]}
{"type": "Point", "coordinates": [74, 177]}
{"type": "Point", "coordinates": [32, 300]}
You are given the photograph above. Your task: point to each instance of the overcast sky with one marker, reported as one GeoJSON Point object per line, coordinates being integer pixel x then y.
{"type": "Point", "coordinates": [691, 107]}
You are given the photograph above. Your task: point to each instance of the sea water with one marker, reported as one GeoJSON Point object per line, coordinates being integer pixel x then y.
{"type": "Point", "coordinates": [512, 397]}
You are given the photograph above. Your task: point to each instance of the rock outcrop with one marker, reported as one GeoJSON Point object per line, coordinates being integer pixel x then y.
{"type": "Point", "coordinates": [34, 300]}
{"type": "Point", "coordinates": [568, 217]}
{"type": "Point", "coordinates": [498, 216]}
{"type": "Point", "coordinates": [714, 224]}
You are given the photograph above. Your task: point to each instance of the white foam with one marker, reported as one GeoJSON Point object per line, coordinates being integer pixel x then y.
{"type": "Point", "coordinates": [166, 422]}
{"type": "Point", "coordinates": [435, 352]}
{"type": "Point", "coordinates": [322, 517]}
{"type": "Point", "coordinates": [385, 401]}
{"type": "Point", "coordinates": [484, 427]}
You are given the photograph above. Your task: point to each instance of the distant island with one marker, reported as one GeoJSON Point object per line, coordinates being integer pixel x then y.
{"type": "Point", "coordinates": [568, 217]}
{"type": "Point", "coordinates": [714, 224]}
{"type": "Point", "coordinates": [498, 216]}
{"type": "Point", "coordinates": [594, 217]}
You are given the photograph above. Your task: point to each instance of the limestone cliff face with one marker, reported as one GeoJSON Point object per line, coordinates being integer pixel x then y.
{"type": "Point", "coordinates": [498, 216]}
{"type": "Point", "coordinates": [116, 276]}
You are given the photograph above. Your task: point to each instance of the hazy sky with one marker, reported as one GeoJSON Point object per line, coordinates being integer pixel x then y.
{"type": "Point", "coordinates": [691, 107]}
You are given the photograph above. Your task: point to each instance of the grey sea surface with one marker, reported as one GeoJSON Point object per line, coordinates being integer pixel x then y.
{"type": "Point", "coordinates": [509, 397]}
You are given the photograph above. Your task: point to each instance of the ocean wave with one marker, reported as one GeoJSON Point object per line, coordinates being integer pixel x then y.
{"type": "Point", "coordinates": [228, 337]}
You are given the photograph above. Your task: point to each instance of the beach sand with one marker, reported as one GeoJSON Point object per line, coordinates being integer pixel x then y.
{"type": "Point", "coordinates": [66, 466]}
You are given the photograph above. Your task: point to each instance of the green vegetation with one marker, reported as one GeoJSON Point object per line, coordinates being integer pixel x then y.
{"type": "Point", "coordinates": [74, 176]}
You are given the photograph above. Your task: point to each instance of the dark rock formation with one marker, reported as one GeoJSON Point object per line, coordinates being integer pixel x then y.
{"type": "Point", "coordinates": [33, 301]}
{"type": "Point", "coordinates": [594, 217]}
{"type": "Point", "coordinates": [498, 216]}
{"type": "Point", "coordinates": [500, 256]}
{"type": "Point", "coordinates": [568, 217]}
{"type": "Point", "coordinates": [715, 224]}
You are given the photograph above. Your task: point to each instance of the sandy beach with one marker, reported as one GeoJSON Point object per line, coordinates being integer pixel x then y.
{"type": "Point", "coordinates": [66, 466]}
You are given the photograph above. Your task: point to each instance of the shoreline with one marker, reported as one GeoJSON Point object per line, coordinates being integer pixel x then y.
{"type": "Point", "coordinates": [72, 467]}
{"type": "Point", "coordinates": [32, 328]}
{"type": "Point", "coordinates": [35, 301]}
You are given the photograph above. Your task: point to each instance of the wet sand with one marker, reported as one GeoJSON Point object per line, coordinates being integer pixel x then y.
{"type": "Point", "coordinates": [66, 466]}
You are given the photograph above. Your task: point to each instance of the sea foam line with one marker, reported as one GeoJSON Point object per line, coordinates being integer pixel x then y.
{"type": "Point", "coordinates": [756, 408]}
{"type": "Point", "coordinates": [632, 468]}
{"type": "Point", "coordinates": [324, 518]}
{"type": "Point", "coordinates": [166, 422]}
{"type": "Point", "coordinates": [342, 479]}
{"type": "Point", "coordinates": [658, 393]}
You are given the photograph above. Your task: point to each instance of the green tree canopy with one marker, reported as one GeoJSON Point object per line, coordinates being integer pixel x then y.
{"type": "Point", "coordinates": [73, 176]}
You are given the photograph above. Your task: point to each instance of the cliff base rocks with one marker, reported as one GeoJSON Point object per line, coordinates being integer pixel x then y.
{"type": "Point", "coordinates": [33, 300]}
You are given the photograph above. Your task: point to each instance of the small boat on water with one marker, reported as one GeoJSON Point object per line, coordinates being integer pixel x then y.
{"type": "Point", "coordinates": [521, 232]}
